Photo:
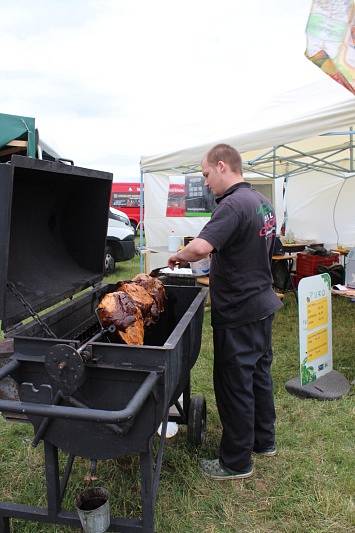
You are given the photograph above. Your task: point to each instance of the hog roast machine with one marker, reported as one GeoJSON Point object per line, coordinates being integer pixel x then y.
{"type": "Point", "coordinates": [83, 392]}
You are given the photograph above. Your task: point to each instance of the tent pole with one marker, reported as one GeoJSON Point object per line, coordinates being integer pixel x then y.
{"type": "Point", "coordinates": [31, 138]}
{"type": "Point", "coordinates": [285, 199]}
{"type": "Point", "coordinates": [141, 202]}
{"type": "Point", "coordinates": [283, 188]}
{"type": "Point", "coordinates": [283, 228]}
{"type": "Point", "coordinates": [351, 135]}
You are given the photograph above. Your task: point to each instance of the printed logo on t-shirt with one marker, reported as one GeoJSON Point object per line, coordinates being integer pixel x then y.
{"type": "Point", "coordinates": [269, 227]}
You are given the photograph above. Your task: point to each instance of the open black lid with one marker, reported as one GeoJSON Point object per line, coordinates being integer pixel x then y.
{"type": "Point", "coordinates": [53, 224]}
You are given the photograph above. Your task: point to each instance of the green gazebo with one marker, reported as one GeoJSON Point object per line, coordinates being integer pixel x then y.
{"type": "Point", "coordinates": [17, 135]}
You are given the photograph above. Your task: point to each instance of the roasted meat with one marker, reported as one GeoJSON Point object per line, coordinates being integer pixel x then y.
{"type": "Point", "coordinates": [132, 306]}
{"type": "Point", "coordinates": [156, 290]}
{"type": "Point", "coordinates": [140, 296]}
{"type": "Point", "coordinates": [119, 309]}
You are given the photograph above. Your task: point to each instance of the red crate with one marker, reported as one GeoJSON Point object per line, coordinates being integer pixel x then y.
{"type": "Point", "coordinates": [307, 264]}
{"type": "Point", "coordinates": [295, 280]}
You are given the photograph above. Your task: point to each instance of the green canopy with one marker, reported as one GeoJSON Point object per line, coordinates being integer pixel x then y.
{"type": "Point", "coordinates": [15, 127]}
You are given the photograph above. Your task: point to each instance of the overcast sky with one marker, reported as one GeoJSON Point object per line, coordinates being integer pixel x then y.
{"type": "Point", "coordinates": [110, 80]}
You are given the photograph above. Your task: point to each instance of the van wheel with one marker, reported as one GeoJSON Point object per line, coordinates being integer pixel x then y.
{"type": "Point", "coordinates": [109, 261]}
{"type": "Point", "coordinates": [134, 226]}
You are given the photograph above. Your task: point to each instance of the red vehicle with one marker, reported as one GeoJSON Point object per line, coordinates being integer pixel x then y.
{"type": "Point", "coordinates": [126, 197]}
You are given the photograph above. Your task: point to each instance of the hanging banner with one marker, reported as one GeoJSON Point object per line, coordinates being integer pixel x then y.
{"type": "Point", "coordinates": [189, 197]}
{"type": "Point", "coordinates": [315, 327]}
{"type": "Point", "coordinates": [176, 197]}
{"type": "Point", "coordinates": [331, 39]}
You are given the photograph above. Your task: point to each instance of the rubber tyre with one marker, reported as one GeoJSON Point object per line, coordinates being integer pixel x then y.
{"type": "Point", "coordinates": [134, 226]}
{"type": "Point", "coordinates": [197, 420]}
{"type": "Point", "coordinates": [109, 261]}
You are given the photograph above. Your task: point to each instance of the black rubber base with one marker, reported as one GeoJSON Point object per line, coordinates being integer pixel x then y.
{"type": "Point", "coordinates": [332, 386]}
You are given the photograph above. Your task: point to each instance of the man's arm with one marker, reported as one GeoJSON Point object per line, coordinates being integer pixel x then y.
{"type": "Point", "coordinates": [194, 251]}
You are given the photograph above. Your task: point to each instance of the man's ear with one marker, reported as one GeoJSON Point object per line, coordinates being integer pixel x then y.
{"type": "Point", "coordinates": [221, 166]}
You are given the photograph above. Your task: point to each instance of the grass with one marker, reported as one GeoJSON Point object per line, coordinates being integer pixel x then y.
{"type": "Point", "coordinates": [307, 487]}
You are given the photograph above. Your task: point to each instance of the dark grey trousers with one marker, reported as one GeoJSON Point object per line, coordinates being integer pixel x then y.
{"type": "Point", "coordinates": [243, 389]}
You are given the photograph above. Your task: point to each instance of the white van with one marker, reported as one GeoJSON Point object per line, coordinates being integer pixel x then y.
{"type": "Point", "coordinates": [119, 241]}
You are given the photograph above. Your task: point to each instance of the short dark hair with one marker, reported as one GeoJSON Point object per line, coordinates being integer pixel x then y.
{"type": "Point", "coordinates": [226, 153]}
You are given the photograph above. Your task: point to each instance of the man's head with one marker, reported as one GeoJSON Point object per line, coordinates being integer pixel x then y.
{"type": "Point", "coordinates": [222, 168]}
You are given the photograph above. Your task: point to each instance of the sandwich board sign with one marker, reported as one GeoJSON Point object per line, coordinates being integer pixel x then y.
{"type": "Point", "coordinates": [315, 327]}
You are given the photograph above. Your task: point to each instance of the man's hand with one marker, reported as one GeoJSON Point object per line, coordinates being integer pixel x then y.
{"type": "Point", "coordinates": [194, 251]}
{"type": "Point", "coordinates": [173, 261]}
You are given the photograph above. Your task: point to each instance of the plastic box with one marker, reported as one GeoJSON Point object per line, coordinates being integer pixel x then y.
{"type": "Point", "coordinates": [307, 264]}
{"type": "Point", "coordinates": [295, 280]}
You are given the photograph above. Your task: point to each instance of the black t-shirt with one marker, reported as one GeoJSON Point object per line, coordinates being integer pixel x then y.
{"type": "Point", "coordinates": [242, 231]}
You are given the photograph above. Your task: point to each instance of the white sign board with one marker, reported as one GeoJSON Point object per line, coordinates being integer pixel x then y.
{"type": "Point", "coordinates": [315, 327]}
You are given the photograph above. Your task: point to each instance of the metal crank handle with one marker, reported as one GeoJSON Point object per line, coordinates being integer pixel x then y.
{"type": "Point", "coordinates": [95, 415]}
{"type": "Point", "coordinates": [110, 329]}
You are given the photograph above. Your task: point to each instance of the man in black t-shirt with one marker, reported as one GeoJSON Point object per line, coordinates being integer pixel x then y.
{"type": "Point", "coordinates": [240, 237]}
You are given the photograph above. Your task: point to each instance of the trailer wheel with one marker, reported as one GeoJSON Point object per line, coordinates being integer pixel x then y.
{"type": "Point", "coordinates": [197, 420]}
{"type": "Point", "coordinates": [109, 261]}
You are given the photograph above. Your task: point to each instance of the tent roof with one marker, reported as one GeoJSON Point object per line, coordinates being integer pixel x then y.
{"type": "Point", "coordinates": [15, 127]}
{"type": "Point", "coordinates": [299, 116]}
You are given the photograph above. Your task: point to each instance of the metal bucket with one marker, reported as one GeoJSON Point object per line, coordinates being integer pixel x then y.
{"type": "Point", "coordinates": [94, 510]}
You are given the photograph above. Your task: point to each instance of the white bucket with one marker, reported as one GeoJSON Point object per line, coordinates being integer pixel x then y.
{"type": "Point", "coordinates": [174, 243]}
{"type": "Point", "coordinates": [200, 268]}
{"type": "Point", "coordinates": [171, 430]}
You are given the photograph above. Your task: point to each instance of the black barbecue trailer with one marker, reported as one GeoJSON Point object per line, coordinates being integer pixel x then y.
{"type": "Point", "coordinates": [84, 393]}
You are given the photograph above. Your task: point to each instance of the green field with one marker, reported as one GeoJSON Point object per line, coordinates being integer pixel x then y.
{"type": "Point", "coordinates": [307, 488]}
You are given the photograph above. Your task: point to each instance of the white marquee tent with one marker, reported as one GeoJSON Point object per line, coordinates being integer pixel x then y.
{"type": "Point", "coordinates": [305, 140]}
